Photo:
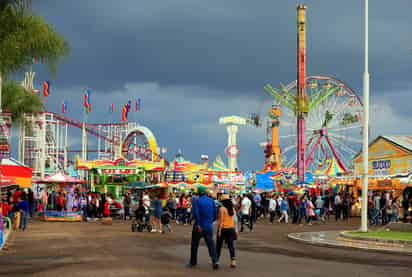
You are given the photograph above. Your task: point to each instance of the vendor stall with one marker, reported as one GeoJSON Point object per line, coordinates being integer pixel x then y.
{"type": "Point", "coordinates": [62, 184]}
{"type": "Point", "coordinates": [13, 172]}
{"type": "Point", "coordinates": [114, 177]}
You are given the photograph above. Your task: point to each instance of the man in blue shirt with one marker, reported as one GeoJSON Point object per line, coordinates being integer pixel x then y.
{"type": "Point", "coordinates": [23, 206]}
{"type": "Point", "coordinates": [204, 212]}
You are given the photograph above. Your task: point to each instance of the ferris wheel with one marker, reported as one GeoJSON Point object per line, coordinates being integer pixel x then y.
{"type": "Point", "coordinates": [333, 124]}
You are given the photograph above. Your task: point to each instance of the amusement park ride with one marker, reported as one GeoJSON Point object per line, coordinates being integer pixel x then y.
{"type": "Point", "coordinates": [314, 123]}
{"type": "Point", "coordinates": [323, 113]}
{"type": "Point", "coordinates": [45, 143]}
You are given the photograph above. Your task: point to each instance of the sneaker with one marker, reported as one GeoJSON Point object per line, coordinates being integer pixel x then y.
{"type": "Point", "coordinates": [233, 263]}
{"type": "Point", "coordinates": [153, 231]}
{"type": "Point", "coordinates": [215, 266]}
{"type": "Point", "coordinates": [189, 265]}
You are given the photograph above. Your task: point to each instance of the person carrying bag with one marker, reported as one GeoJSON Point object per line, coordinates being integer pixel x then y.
{"type": "Point", "coordinates": [227, 229]}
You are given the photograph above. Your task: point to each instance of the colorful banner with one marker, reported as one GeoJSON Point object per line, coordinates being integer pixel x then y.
{"type": "Point", "coordinates": [86, 101]}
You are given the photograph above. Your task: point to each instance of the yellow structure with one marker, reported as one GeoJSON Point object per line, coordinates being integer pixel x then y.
{"type": "Point", "coordinates": [390, 158]}
{"type": "Point", "coordinates": [388, 155]}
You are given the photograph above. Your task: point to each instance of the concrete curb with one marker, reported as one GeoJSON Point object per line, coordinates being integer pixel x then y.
{"type": "Point", "coordinates": [350, 245]}
{"type": "Point", "coordinates": [347, 235]}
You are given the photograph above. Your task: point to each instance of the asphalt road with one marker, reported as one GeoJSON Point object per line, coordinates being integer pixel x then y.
{"type": "Point", "coordinates": [92, 249]}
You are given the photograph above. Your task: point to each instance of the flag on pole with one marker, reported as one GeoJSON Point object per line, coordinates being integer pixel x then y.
{"type": "Point", "coordinates": [138, 102]}
{"type": "Point", "coordinates": [64, 107]}
{"type": "Point", "coordinates": [46, 88]}
{"type": "Point", "coordinates": [111, 108]}
{"type": "Point", "coordinates": [86, 99]}
{"type": "Point", "coordinates": [129, 106]}
{"type": "Point", "coordinates": [124, 113]}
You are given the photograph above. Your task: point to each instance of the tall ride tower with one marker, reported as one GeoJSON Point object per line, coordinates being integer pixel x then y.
{"type": "Point", "coordinates": [301, 101]}
{"type": "Point", "coordinates": [273, 162]}
{"type": "Point", "coordinates": [232, 126]}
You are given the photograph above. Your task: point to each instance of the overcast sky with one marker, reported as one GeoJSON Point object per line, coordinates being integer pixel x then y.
{"type": "Point", "coordinates": [192, 61]}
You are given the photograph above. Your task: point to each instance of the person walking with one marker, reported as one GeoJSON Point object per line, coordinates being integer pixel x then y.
{"type": "Point", "coordinates": [284, 208]}
{"type": "Point", "coordinates": [31, 200]}
{"type": "Point", "coordinates": [24, 209]}
{"type": "Point", "coordinates": [310, 211]}
{"type": "Point", "coordinates": [245, 212]}
{"type": "Point", "coordinates": [272, 208]}
{"type": "Point", "coordinates": [126, 206]}
{"type": "Point", "coordinates": [157, 213]}
{"type": "Point", "coordinates": [204, 212]}
{"type": "Point", "coordinates": [226, 229]}
{"type": "Point", "coordinates": [338, 206]}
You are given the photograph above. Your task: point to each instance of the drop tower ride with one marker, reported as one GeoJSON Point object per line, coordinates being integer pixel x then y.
{"type": "Point", "coordinates": [301, 101]}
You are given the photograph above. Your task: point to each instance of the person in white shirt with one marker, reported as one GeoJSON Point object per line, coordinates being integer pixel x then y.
{"type": "Point", "coordinates": [146, 204]}
{"type": "Point", "coordinates": [245, 212]}
{"type": "Point", "coordinates": [272, 208]}
{"type": "Point", "coordinates": [338, 206]}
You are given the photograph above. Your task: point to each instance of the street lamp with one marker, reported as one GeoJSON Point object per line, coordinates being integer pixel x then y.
{"type": "Point", "coordinates": [365, 141]}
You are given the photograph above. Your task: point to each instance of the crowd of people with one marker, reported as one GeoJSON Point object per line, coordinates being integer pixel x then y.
{"type": "Point", "coordinates": [17, 206]}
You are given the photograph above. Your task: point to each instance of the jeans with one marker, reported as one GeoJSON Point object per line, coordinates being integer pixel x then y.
{"type": "Point", "coordinates": [302, 214]}
{"type": "Point", "coordinates": [229, 236]}
{"type": "Point", "coordinates": [11, 216]}
{"type": "Point", "coordinates": [244, 219]}
{"type": "Point", "coordinates": [207, 235]}
{"type": "Point", "coordinates": [126, 212]}
{"type": "Point", "coordinates": [284, 216]}
{"type": "Point", "coordinates": [272, 216]}
{"type": "Point", "coordinates": [338, 211]}
{"type": "Point", "coordinates": [23, 221]}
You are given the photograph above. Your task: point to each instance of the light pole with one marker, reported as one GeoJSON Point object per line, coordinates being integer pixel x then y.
{"type": "Point", "coordinates": [365, 142]}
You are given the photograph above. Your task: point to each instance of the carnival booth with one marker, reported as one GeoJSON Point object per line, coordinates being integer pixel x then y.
{"type": "Point", "coordinates": [185, 175]}
{"type": "Point", "coordinates": [115, 177]}
{"type": "Point", "coordinates": [13, 173]}
{"type": "Point", "coordinates": [67, 185]}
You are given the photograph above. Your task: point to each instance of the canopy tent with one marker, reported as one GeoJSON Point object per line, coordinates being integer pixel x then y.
{"type": "Point", "coordinates": [14, 172]}
{"type": "Point", "coordinates": [61, 178]}
{"type": "Point", "coordinates": [332, 169]}
{"type": "Point", "coordinates": [219, 165]}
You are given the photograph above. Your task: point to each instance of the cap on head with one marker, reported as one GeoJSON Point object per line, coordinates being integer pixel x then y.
{"type": "Point", "coordinates": [201, 189]}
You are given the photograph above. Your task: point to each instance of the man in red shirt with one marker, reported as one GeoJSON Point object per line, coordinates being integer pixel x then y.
{"type": "Point", "coordinates": [5, 208]}
{"type": "Point", "coordinates": [16, 195]}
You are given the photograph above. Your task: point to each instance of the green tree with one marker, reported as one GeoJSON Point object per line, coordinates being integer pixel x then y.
{"type": "Point", "coordinates": [17, 99]}
{"type": "Point", "coordinates": [24, 36]}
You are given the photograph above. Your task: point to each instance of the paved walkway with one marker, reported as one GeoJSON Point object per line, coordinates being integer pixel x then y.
{"type": "Point", "coordinates": [333, 239]}
{"type": "Point", "coordinates": [50, 249]}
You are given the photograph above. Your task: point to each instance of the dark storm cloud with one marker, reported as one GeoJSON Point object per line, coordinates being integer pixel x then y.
{"type": "Point", "coordinates": [237, 45]}
{"type": "Point", "coordinates": [194, 61]}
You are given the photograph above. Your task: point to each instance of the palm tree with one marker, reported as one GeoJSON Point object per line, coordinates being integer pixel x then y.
{"type": "Point", "coordinates": [24, 36]}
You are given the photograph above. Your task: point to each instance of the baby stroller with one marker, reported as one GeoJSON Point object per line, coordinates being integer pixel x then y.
{"type": "Point", "coordinates": [141, 221]}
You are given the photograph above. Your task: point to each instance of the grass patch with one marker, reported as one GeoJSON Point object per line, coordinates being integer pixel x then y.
{"type": "Point", "coordinates": [383, 234]}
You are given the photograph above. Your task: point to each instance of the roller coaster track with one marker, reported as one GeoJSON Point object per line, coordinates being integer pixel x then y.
{"type": "Point", "coordinates": [90, 128]}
